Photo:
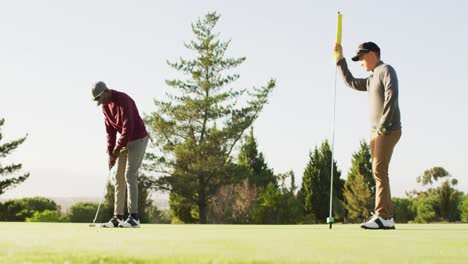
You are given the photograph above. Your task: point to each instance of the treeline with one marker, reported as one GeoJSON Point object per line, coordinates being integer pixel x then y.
{"type": "Point", "coordinates": [41, 209]}
{"type": "Point", "coordinates": [262, 197]}
{"type": "Point", "coordinates": [253, 194]}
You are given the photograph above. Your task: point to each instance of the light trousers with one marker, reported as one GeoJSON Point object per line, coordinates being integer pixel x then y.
{"type": "Point", "coordinates": [126, 177]}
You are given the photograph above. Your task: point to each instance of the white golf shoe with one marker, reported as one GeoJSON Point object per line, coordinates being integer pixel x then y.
{"type": "Point", "coordinates": [114, 222]}
{"type": "Point", "coordinates": [377, 222]}
{"type": "Point", "coordinates": [130, 223]}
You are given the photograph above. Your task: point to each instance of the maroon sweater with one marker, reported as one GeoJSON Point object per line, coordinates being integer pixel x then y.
{"type": "Point", "coordinates": [122, 116]}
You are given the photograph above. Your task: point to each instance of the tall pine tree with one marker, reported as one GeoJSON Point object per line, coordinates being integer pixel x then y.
{"type": "Point", "coordinates": [315, 190]}
{"type": "Point", "coordinates": [9, 177]}
{"type": "Point", "coordinates": [203, 119]}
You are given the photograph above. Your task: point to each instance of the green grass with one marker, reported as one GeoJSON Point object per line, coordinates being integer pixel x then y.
{"type": "Point", "coordinates": [79, 243]}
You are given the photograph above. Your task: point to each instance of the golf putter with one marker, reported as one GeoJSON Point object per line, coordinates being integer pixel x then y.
{"type": "Point", "coordinates": [100, 200]}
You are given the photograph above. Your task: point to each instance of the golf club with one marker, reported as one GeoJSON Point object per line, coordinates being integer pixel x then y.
{"type": "Point", "coordinates": [100, 200]}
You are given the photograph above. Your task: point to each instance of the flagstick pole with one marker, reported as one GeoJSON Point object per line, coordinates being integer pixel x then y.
{"type": "Point", "coordinates": [330, 219]}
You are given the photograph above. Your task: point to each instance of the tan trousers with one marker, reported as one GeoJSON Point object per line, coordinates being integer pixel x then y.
{"type": "Point", "coordinates": [126, 177]}
{"type": "Point", "coordinates": [381, 148]}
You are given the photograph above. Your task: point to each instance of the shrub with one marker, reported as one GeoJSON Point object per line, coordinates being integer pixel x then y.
{"type": "Point", "coordinates": [464, 209]}
{"type": "Point", "coordinates": [45, 216]}
{"type": "Point", "coordinates": [425, 210]}
{"type": "Point", "coordinates": [85, 213]}
{"type": "Point", "coordinates": [20, 209]}
{"type": "Point", "coordinates": [403, 210]}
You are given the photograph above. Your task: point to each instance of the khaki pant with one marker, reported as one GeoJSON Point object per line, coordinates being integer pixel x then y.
{"type": "Point", "coordinates": [381, 148]}
{"type": "Point", "coordinates": [126, 177]}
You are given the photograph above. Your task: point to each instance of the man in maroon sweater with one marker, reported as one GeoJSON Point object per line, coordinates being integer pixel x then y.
{"type": "Point", "coordinates": [121, 115]}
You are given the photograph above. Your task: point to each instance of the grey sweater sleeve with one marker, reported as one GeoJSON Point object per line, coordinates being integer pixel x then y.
{"type": "Point", "coordinates": [390, 83]}
{"type": "Point", "coordinates": [355, 83]}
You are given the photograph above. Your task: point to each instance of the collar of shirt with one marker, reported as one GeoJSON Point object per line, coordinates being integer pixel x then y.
{"type": "Point", "coordinates": [377, 66]}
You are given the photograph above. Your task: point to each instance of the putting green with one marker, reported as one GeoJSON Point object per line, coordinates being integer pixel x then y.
{"type": "Point", "coordinates": [79, 243]}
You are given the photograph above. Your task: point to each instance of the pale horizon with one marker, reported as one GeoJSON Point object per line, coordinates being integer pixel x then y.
{"type": "Point", "coordinates": [52, 54]}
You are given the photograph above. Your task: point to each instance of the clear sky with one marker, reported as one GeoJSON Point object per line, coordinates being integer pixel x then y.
{"type": "Point", "coordinates": [51, 52]}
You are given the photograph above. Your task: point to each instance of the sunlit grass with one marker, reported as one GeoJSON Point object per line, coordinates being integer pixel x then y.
{"type": "Point", "coordinates": [79, 243]}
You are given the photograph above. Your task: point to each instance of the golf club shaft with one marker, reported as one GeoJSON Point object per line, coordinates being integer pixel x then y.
{"type": "Point", "coordinates": [102, 196]}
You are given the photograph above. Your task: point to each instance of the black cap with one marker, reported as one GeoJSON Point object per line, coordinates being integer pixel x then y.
{"type": "Point", "coordinates": [98, 89]}
{"type": "Point", "coordinates": [365, 48]}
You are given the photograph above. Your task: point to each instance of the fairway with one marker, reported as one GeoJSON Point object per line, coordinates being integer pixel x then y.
{"type": "Point", "coordinates": [78, 243]}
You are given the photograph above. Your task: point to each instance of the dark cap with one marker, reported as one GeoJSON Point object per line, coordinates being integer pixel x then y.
{"type": "Point", "coordinates": [365, 48]}
{"type": "Point", "coordinates": [98, 89]}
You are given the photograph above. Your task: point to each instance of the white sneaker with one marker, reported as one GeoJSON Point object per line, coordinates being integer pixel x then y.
{"type": "Point", "coordinates": [377, 222]}
{"type": "Point", "coordinates": [130, 223]}
{"type": "Point", "coordinates": [114, 222]}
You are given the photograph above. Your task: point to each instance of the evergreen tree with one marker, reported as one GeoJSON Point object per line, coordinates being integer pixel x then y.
{"type": "Point", "coordinates": [233, 203]}
{"type": "Point", "coordinates": [199, 125]}
{"type": "Point", "coordinates": [315, 190]}
{"type": "Point", "coordinates": [358, 199]}
{"type": "Point", "coordinates": [9, 177]}
{"type": "Point", "coordinates": [258, 172]}
{"type": "Point", "coordinates": [184, 210]}
{"type": "Point", "coordinates": [362, 164]}
{"type": "Point", "coordinates": [278, 205]}
{"type": "Point", "coordinates": [359, 186]}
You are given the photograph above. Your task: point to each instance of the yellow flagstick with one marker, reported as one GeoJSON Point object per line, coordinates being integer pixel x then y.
{"type": "Point", "coordinates": [330, 219]}
{"type": "Point", "coordinates": [339, 28]}
{"type": "Point", "coordinates": [338, 33]}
